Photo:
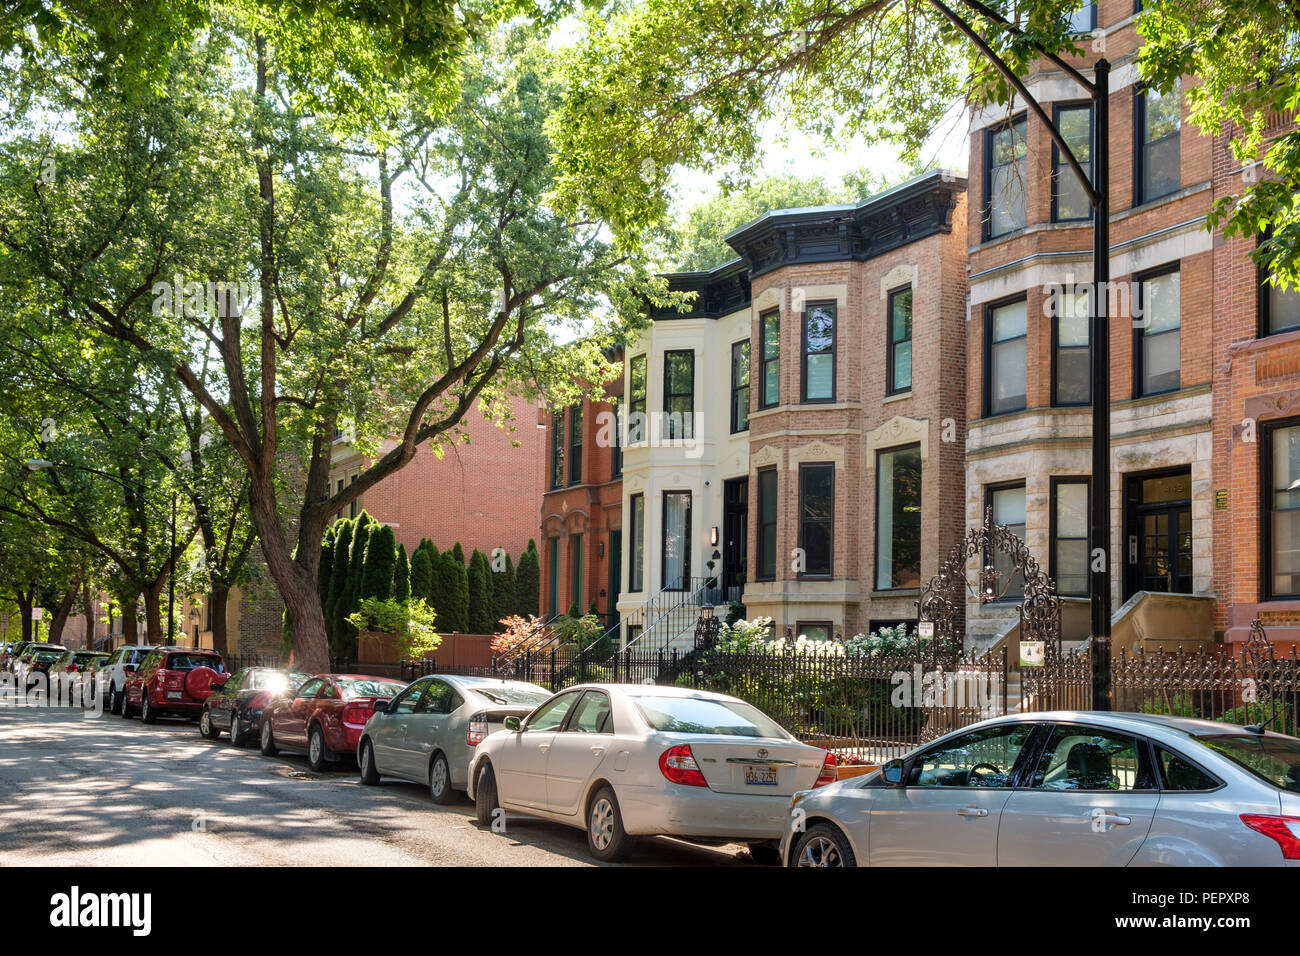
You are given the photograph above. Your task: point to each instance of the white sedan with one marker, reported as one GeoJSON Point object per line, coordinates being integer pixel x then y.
{"type": "Point", "coordinates": [629, 760]}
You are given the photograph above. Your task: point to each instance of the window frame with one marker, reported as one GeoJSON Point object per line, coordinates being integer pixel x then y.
{"type": "Point", "coordinates": [1059, 166]}
{"type": "Point", "coordinates": [1141, 146]}
{"type": "Point", "coordinates": [574, 467]}
{"type": "Point", "coordinates": [1266, 510]}
{"type": "Point", "coordinates": [1056, 364]}
{"type": "Point", "coordinates": [558, 450]}
{"type": "Point", "coordinates": [736, 426]}
{"type": "Point", "coordinates": [638, 403]}
{"type": "Point", "coordinates": [1141, 749]}
{"type": "Point", "coordinates": [891, 344]}
{"type": "Point", "coordinates": [989, 309]}
{"type": "Point", "coordinates": [990, 133]}
{"type": "Point", "coordinates": [635, 562]}
{"type": "Point", "coordinates": [801, 627]}
{"type": "Point", "coordinates": [689, 421]}
{"type": "Point", "coordinates": [759, 555]}
{"type": "Point", "coordinates": [833, 305]}
{"type": "Point", "coordinates": [875, 518]}
{"type": "Point", "coordinates": [1139, 334]}
{"type": "Point", "coordinates": [1264, 305]}
{"type": "Point", "coordinates": [829, 521]}
{"type": "Point", "coordinates": [989, 491]}
{"type": "Point", "coordinates": [686, 535]}
{"type": "Point", "coordinates": [577, 555]}
{"type": "Point", "coordinates": [764, 400]}
{"type": "Point", "coordinates": [1053, 483]}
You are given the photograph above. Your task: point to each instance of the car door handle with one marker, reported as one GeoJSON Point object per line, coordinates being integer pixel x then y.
{"type": "Point", "coordinates": [543, 747]}
{"type": "Point", "coordinates": [972, 812]}
{"type": "Point", "coordinates": [598, 749]}
{"type": "Point", "coordinates": [1109, 817]}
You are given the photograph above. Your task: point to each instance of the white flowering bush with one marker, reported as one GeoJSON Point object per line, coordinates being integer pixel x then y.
{"type": "Point", "coordinates": [884, 642]}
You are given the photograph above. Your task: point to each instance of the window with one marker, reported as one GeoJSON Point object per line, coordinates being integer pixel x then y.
{"type": "Point", "coordinates": [679, 393]}
{"type": "Point", "coordinates": [1159, 118]}
{"type": "Point", "coordinates": [1089, 758]}
{"type": "Point", "coordinates": [550, 715]}
{"type": "Point", "coordinates": [575, 445]}
{"type": "Point", "coordinates": [636, 422]}
{"type": "Point", "coordinates": [1005, 361]}
{"type": "Point", "coordinates": [982, 758]}
{"type": "Point", "coordinates": [553, 574]}
{"type": "Point", "coordinates": [1083, 20]}
{"type": "Point", "coordinates": [1279, 309]}
{"type": "Point", "coordinates": [636, 544]}
{"type": "Point", "coordinates": [816, 518]}
{"type": "Point", "coordinates": [1282, 502]}
{"type": "Point", "coordinates": [900, 341]}
{"type": "Point", "coordinates": [575, 571]}
{"type": "Point", "coordinates": [1004, 179]}
{"type": "Point", "coordinates": [1157, 334]}
{"type": "Point", "coordinates": [677, 540]}
{"type": "Point", "coordinates": [592, 715]}
{"type": "Point", "coordinates": [898, 518]}
{"type": "Point", "coordinates": [1008, 504]}
{"type": "Point", "coordinates": [814, 630]}
{"type": "Point", "coordinates": [557, 450]}
{"type": "Point", "coordinates": [1069, 199]}
{"type": "Point", "coordinates": [819, 352]}
{"type": "Point", "coordinates": [1069, 558]}
{"type": "Point", "coordinates": [766, 538]}
{"type": "Point", "coordinates": [739, 386]}
{"type": "Point", "coordinates": [616, 450]}
{"type": "Point", "coordinates": [1071, 362]}
{"type": "Point", "coordinates": [1179, 773]}
{"type": "Point", "coordinates": [441, 698]}
{"type": "Point", "coordinates": [408, 699]}
{"type": "Point", "coordinates": [770, 340]}
{"type": "Point", "coordinates": [356, 502]}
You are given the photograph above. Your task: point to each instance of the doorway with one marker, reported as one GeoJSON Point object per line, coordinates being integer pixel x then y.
{"type": "Point", "coordinates": [1158, 531]}
{"type": "Point", "coordinates": [615, 578]}
{"type": "Point", "coordinates": [735, 537]}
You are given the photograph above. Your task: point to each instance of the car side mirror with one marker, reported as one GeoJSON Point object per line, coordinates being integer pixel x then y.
{"type": "Point", "coordinates": [383, 706]}
{"type": "Point", "coordinates": [892, 773]}
{"type": "Point", "coordinates": [512, 723]}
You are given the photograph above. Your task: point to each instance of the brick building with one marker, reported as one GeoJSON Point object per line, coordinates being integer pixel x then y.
{"type": "Point", "coordinates": [581, 525]}
{"type": "Point", "coordinates": [824, 374]}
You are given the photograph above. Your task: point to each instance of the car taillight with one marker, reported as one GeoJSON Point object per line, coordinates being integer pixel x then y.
{"type": "Point", "coordinates": [357, 714]}
{"type": "Point", "coordinates": [678, 765]}
{"type": "Point", "coordinates": [1284, 830]}
{"type": "Point", "coordinates": [828, 772]}
{"type": "Point", "coordinates": [72, 668]}
{"type": "Point", "coordinates": [478, 729]}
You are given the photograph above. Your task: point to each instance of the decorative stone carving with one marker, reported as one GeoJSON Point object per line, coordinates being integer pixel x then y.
{"type": "Point", "coordinates": [895, 278]}
{"type": "Point", "coordinates": [765, 456]}
{"type": "Point", "coordinates": [818, 451]}
{"type": "Point", "coordinates": [899, 430]}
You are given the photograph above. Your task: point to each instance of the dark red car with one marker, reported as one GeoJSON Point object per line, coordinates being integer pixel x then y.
{"type": "Point", "coordinates": [173, 680]}
{"type": "Point", "coordinates": [325, 716]}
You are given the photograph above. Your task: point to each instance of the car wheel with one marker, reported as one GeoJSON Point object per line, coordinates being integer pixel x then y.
{"type": "Point", "coordinates": [318, 755]}
{"type": "Point", "coordinates": [206, 728]}
{"type": "Point", "coordinates": [823, 845]}
{"type": "Point", "coordinates": [269, 749]}
{"type": "Point", "coordinates": [148, 713]}
{"type": "Point", "coordinates": [485, 796]}
{"type": "Point", "coordinates": [126, 711]}
{"type": "Point", "coordinates": [440, 781]}
{"type": "Point", "coordinates": [114, 701]}
{"type": "Point", "coordinates": [369, 775]}
{"type": "Point", "coordinates": [236, 732]}
{"type": "Point", "coordinates": [606, 838]}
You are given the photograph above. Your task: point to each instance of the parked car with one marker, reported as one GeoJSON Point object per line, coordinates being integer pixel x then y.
{"type": "Point", "coordinates": [236, 706]}
{"type": "Point", "coordinates": [72, 668]}
{"type": "Point", "coordinates": [36, 663]}
{"type": "Point", "coordinates": [7, 654]}
{"type": "Point", "coordinates": [173, 680]}
{"type": "Point", "coordinates": [114, 674]}
{"type": "Point", "coordinates": [428, 733]}
{"type": "Point", "coordinates": [1067, 788]}
{"type": "Point", "coordinates": [627, 760]}
{"type": "Point", "coordinates": [325, 716]}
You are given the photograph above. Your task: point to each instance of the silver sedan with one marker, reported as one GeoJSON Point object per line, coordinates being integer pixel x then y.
{"type": "Point", "coordinates": [1065, 789]}
{"type": "Point", "coordinates": [429, 731]}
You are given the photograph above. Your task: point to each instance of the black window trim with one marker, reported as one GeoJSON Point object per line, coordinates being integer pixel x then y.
{"type": "Point", "coordinates": [763, 360]}
{"type": "Point", "coordinates": [1264, 305]}
{"type": "Point", "coordinates": [989, 309]}
{"type": "Point", "coordinates": [1266, 490]}
{"type": "Point", "coordinates": [989, 491]}
{"type": "Point", "coordinates": [688, 426]}
{"type": "Point", "coordinates": [643, 401]}
{"type": "Point", "coordinates": [1055, 364]}
{"type": "Point", "coordinates": [891, 388]}
{"type": "Point", "coordinates": [1139, 333]}
{"type": "Point", "coordinates": [575, 444]}
{"type": "Point", "coordinates": [559, 466]}
{"type": "Point", "coordinates": [663, 538]}
{"type": "Point", "coordinates": [829, 574]}
{"type": "Point", "coordinates": [638, 530]}
{"type": "Point", "coordinates": [1153, 746]}
{"type": "Point", "coordinates": [833, 304]}
{"type": "Point", "coordinates": [759, 574]}
{"type": "Point", "coordinates": [736, 429]}
{"type": "Point", "coordinates": [991, 131]}
{"type": "Point", "coordinates": [1146, 758]}
{"type": "Point", "coordinates": [1140, 146]}
{"type": "Point", "coordinates": [1026, 760]}
{"type": "Point", "coordinates": [875, 517]}
{"type": "Point", "coordinates": [1059, 166]}
{"type": "Point", "coordinates": [1053, 483]}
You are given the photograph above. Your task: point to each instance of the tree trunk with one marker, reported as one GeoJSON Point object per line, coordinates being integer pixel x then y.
{"type": "Point", "coordinates": [218, 598]}
{"type": "Point", "coordinates": [130, 626]}
{"type": "Point", "coordinates": [61, 617]}
{"type": "Point", "coordinates": [25, 610]}
{"type": "Point", "coordinates": [153, 616]}
{"type": "Point", "coordinates": [88, 608]}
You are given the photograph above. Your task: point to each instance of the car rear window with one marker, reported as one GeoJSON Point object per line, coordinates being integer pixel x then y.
{"type": "Point", "coordinates": [371, 688]}
{"type": "Point", "coordinates": [1274, 759]}
{"type": "Point", "coordinates": [277, 681]}
{"type": "Point", "coordinates": [704, 715]}
{"type": "Point", "coordinates": [187, 662]}
{"type": "Point", "coordinates": [528, 696]}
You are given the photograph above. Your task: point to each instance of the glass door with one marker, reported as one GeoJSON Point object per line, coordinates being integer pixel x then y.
{"type": "Point", "coordinates": [1159, 532]}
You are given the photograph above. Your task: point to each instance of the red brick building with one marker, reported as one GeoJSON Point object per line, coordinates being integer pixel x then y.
{"type": "Point", "coordinates": [582, 516]}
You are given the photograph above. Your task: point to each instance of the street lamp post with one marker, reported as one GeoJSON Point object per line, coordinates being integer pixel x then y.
{"type": "Point", "coordinates": [171, 581]}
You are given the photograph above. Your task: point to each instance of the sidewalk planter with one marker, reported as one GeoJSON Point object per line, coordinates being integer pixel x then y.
{"type": "Point", "coordinates": [844, 772]}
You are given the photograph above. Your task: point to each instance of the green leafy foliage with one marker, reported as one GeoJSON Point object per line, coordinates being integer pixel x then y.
{"type": "Point", "coordinates": [380, 563]}
{"type": "Point", "coordinates": [402, 576]}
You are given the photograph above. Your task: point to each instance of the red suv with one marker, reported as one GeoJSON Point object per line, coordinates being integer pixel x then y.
{"type": "Point", "coordinates": [173, 680]}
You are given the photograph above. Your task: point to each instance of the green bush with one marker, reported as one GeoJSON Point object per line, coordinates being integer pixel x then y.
{"type": "Point", "coordinates": [412, 620]}
{"type": "Point", "coordinates": [380, 563]}
{"type": "Point", "coordinates": [402, 576]}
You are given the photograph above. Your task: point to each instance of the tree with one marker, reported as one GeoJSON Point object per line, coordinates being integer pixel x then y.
{"type": "Point", "coordinates": [528, 582]}
{"type": "Point", "coordinates": [505, 587]}
{"type": "Point", "coordinates": [421, 577]}
{"type": "Point", "coordinates": [350, 599]}
{"type": "Point", "coordinates": [402, 576]}
{"type": "Point", "coordinates": [458, 553]}
{"type": "Point", "coordinates": [380, 562]}
{"type": "Point", "coordinates": [482, 607]}
{"type": "Point", "coordinates": [451, 588]}
{"type": "Point", "coordinates": [338, 575]}
{"type": "Point", "coordinates": [387, 226]}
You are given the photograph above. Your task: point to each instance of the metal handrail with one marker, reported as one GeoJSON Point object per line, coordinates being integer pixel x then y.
{"type": "Point", "coordinates": [691, 597]}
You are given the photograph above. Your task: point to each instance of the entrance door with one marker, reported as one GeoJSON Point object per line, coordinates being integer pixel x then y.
{"type": "Point", "coordinates": [615, 578]}
{"type": "Point", "coordinates": [735, 536]}
{"type": "Point", "coordinates": [1159, 532]}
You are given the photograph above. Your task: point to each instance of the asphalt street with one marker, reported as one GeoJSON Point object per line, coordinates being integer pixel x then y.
{"type": "Point", "coordinates": [103, 791]}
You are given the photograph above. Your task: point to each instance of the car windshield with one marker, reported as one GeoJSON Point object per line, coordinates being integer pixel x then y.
{"type": "Point", "coordinates": [1273, 758]}
{"type": "Point", "coordinates": [45, 657]}
{"type": "Point", "coordinates": [187, 662]}
{"type": "Point", "coordinates": [508, 694]}
{"type": "Point", "coordinates": [705, 715]}
{"type": "Point", "coordinates": [371, 688]}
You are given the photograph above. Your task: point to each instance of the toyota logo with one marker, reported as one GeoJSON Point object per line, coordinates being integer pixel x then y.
{"type": "Point", "coordinates": [762, 751]}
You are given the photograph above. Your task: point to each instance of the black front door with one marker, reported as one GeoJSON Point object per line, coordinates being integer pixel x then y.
{"type": "Point", "coordinates": [735, 536]}
{"type": "Point", "coordinates": [1158, 521]}
{"type": "Point", "coordinates": [615, 577]}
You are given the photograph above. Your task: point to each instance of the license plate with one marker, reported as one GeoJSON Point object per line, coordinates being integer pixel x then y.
{"type": "Point", "coordinates": [175, 694]}
{"type": "Point", "coordinates": [760, 776]}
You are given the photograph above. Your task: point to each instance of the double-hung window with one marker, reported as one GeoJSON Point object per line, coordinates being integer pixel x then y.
{"type": "Point", "coordinates": [769, 330]}
{"type": "Point", "coordinates": [679, 394]}
{"type": "Point", "coordinates": [819, 352]}
{"type": "Point", "coordinates": [1159, 156]}
{"type": "Point", "coordinates": [900, 342]}
{"type": "Point", "coordinates": [1006, 369]}
{"type": "Point", "coordinates": [1158, 334]}
{"type": "Point", "coordinates": [739, 386]}
{"type": "Point", "coordinates": [1004, 178]}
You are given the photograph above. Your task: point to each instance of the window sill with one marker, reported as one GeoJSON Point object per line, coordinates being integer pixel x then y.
{"type": "Point", "coordinates": [897, 397]}
{"type": "Point", "coordinates": [895, 593]}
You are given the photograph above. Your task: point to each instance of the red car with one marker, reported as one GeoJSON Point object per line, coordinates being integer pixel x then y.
{"type": "Point", "coordinates": [173, 680]}
{"type": "Point", "coordinates": [325, 716]}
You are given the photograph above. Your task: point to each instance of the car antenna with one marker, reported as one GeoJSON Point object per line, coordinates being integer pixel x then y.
{"type": "Point", "coordinates": [1261, 727]}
